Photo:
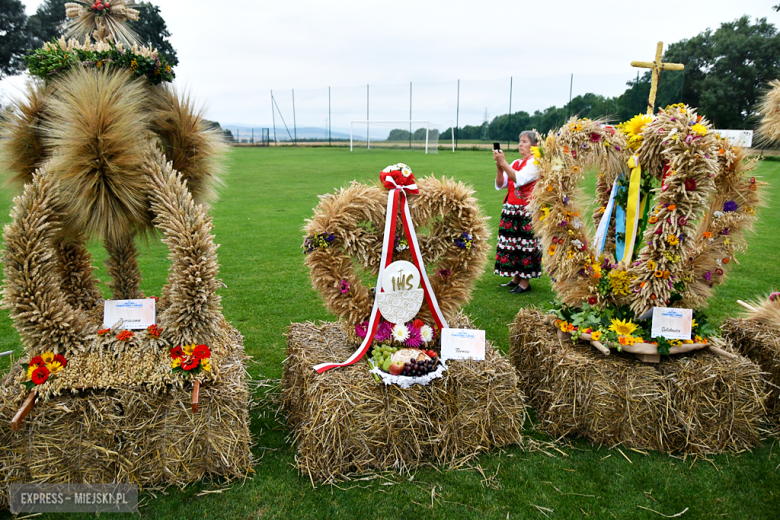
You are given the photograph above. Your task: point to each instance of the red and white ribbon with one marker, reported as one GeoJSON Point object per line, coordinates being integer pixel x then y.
{"type": "Point", "coordinates": [394, 197]}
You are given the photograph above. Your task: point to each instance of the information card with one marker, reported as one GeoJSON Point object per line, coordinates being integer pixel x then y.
{"type": "Point", "coordinates": [462, 344]}
{"type": "Point", "coordinates": [671, 323]}
{"type": "Point", "coordinates": [135, 314]}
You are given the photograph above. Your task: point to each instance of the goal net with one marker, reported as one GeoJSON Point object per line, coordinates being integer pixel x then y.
{"type": "Point", "coordinates": [415, 135]}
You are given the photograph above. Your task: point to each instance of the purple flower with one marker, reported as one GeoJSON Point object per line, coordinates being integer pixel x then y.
{"type": "Point", "coordinates": [566, 200]}
{"type": "Point", "coordinates": [730, 206]}
{"type": "Point", "coordinates": [444, 273]}
{"type": "Point", "coordinates": [414, 339]}
{"type": "Point", "coordinates": [344, 287]}
{"type": "Point", "coordinates": [708, 275]}
{"type": "Point", "coordinates": [725, 231]}
{"type": "Point", "coordinates": [774, 296]}
{"type": "Point", "coordinates": [383, 331]}
{"type": "Point", "coordinates": [361, 329]}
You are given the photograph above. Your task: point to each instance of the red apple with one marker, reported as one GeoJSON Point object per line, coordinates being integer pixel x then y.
{"type": "Point", "coordinates": [396, 368]}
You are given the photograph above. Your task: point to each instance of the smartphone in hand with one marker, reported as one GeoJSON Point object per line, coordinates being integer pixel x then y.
{"type": "Point", "coordinates": [496, 146]}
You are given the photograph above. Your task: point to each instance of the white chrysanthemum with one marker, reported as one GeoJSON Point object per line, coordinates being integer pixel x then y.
{"type": "Point", "coordinates": [718, 214]}
{"type": "Point", "coordinates": [388, 169]}
{"type": "Point", "coordinates": [426, 333]}
{"type": "Point", "coordinates": [400, 332]}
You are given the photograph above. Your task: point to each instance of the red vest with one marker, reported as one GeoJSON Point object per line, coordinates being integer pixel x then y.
{"type": "Point", "coordinates": [519, 195]}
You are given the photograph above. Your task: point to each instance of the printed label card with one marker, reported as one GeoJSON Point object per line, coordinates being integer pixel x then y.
{"type": "Point", "coordinates": [671, 323]}
{"type": "Point", "coordinates": [462, 344]}
{"type": "Point", "coordinates": [135, 314]}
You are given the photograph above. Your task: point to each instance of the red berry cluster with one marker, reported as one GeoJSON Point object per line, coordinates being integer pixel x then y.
{"type": "Point", "coordinates": [99, 6]}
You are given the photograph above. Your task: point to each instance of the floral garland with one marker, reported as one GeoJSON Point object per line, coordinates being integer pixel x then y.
{"type": "Point", "coordinates": [190, 359]}
{"type": "Point", "coordinates": [58, 57]}
{"type": "Point", "coordinates": [320, 240]}
{"type": "Point", "coordinates": [679, 260]}
{"type": "Point", "coordinates": [41, 367]}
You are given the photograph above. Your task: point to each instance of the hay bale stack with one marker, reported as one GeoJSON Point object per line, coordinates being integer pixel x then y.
{"type": "Point", "coordinates": [344, 421]}
{"type": "Point", "coordinates": [143, 433]}
{"type": "Point", "coordinates": [761, 343]}
{"type": "Point", "coordinates": [697, 403]}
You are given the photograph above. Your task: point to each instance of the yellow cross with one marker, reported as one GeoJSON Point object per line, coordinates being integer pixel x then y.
{"type": "Point", "coordinates": [657, 66]}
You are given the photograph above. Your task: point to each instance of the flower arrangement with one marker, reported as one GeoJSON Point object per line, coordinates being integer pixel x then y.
{"type": "Point", "coordinates": [153, 331]}
{"type": "Point", "coordinates": [42, 367]}
{"type": "Point", "coordinates": [400, 173]}
{"type": "Point", "coordinates": [618, 327]}
{"type": "Point", "coordinates": [125, 335]}
{"type": "Point", "coordinates": [465, 241]}
{"type": "Point", "coordinates": [190, 359]}
{"type": "Point", "coordinates": [57, 57]}
{"type": "Point", "coordinates": [318, 241]}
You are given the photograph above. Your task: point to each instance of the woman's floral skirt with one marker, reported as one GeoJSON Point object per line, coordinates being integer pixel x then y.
{"type": "Point", "coordinates": [518, 251]}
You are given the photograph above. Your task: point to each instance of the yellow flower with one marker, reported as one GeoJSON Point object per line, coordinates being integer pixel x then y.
{"type": "Point", "coordinates": [546, 211]}
{"type": "Point", "coordinates": [551, 250]}
{"type": "Point", "coordinates": [206, 364]}
{"type": "Point", "coordinates": [675, 342]}
{"type": "Point", "coordinates": [30, 370]}
{"type": "Point", "coordinates": [47, 357]}
{"type": "Point", "coordinates": [563, 325]}
{"type": "Point", "coordinates": [694, 324]}
{"type": "Point", "coordinates": [188, 349]}
{"type": "Point", "coordinates": [651, 265]}
{"type": "Point", "coordinates": [176, 362]}
{"type": "Point", "coordinates": [595, 335]}
{"type": "Point", "coordinates": [54, 366]}
{"type": "Point", "coordinates": [622, 327]}
{"type": "Point", "coordinates": [699, 129]}
{"type": "Point", "coordinates": [536, 152]}
{"type": "Point", "coordinates": [673, 240]}
{"type": "Point", "coordinates": [633, 129]}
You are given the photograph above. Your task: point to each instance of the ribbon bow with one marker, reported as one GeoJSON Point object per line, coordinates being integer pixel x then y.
{"type": "Point", "coordinates": [399, 176]}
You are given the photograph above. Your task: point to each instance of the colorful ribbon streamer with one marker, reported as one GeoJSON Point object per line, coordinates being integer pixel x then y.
{"type": "Point", "coordinates": [601, 232]}
{"type": "Point", "coordinates": [633, 209]}
{"type": "Point", "coordinates": [395, 196]}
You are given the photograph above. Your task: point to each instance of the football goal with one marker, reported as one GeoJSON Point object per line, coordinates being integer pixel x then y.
{"type": "Point", "coordinates": [414, 134]}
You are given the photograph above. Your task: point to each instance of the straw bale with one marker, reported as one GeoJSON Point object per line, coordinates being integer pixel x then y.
{"type": "Point", "coordinates": [130, 434]}
{"type": "Point", "coordinates": [696, 403]}
{"type": "Point", "coordinates": [761, 343]}
{"type": "Point", "coordinates": [344, 421]}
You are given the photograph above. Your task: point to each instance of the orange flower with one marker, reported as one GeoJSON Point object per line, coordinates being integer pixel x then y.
{"type": "Point", "coordinates": [653, 296]}
{"type": "Point", "coordinates": [671, 207]}
{"type": "Point", "coordinates": [565, 149]}
{"type": "Point", "coordinates": [642, 284]}
{"type": "Point", "coordinates": [721, 151]}
{"type": "Point", "coordinates": [549, 187]}
{"type": "Point", "coordinates": [575, 169]}
{"type": "Point", "coordinates": [667, 274]}
{"type": "Point", "coordinates": [653, 219]}
{"type": "Point", "coordinates": [658, 274]}
{"type": "Point", "coordinates": [707, 234]}
{"type": "Point", "coordinates": [125, 335]}
{"type": "Point", "coordinates": [551, 249]}
{"type": "Point", "coordinates": [726, 260]}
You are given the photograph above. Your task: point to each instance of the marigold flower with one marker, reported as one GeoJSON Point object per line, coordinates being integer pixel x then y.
{"type": "Point", "coordinates": [707, 234]}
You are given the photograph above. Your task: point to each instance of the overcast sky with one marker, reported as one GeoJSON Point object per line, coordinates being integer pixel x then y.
{"type": "Point", "coordinates": [232, 54]}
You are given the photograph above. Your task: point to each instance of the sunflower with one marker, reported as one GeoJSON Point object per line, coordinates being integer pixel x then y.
{"type": "Point", "coordinates": [622, 327]}
{"type": "Point", "coordinates": [633, 129]}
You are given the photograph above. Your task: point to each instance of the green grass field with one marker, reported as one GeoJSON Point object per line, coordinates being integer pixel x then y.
{"type": "Point", "coordinates": [258, 222]}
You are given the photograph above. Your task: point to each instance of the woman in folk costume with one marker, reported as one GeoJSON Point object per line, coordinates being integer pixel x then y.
{"type": "Point", "coordinates": [518, 254]}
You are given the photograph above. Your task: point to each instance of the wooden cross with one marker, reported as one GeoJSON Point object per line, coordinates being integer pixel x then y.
{"type": "Point", "coordinates": [657, 67]}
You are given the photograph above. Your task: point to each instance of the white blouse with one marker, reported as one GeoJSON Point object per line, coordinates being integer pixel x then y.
{"type": "Point", "coordinates": [527, 174]}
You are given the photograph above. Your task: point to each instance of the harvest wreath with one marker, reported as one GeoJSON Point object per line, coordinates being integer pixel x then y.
{"type": "Point", "coordinates": [668, 253]}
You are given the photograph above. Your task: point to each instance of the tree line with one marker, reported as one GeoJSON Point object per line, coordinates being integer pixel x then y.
{"type": "Point", "coordinates": [726, 71]}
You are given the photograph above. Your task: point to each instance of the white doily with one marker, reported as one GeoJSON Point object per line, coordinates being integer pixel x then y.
{"type": "Point", "coordinates": [407, 381]}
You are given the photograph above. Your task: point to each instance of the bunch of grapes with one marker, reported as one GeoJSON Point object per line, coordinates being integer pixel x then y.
{"type": "Point", "coordinates": [420, 368]}
{"type": "Point", "coordinates": [381, 355]}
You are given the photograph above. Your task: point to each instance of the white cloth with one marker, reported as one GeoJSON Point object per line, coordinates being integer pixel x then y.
{"type": "Point", "coordinates": [529, 173]}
